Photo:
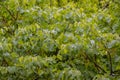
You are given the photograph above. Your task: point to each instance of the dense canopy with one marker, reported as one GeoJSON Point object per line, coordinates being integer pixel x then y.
{"type": "Point", "coordinates": [59, 39]}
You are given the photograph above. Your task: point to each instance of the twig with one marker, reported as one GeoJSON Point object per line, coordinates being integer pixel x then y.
{"type": "Point", "coordinates": [110, 61]}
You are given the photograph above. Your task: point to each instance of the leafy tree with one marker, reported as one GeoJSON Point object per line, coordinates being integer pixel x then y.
{"type": "Point", "coordinates": [60, 39]}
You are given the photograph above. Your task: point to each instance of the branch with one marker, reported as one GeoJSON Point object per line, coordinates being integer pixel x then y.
{"type": "Point", "coordinates": [10, 13]}
{"type": "Point", "coordinates": [96, 65]}
{"type": "Point", "coordinates": [110, 59]}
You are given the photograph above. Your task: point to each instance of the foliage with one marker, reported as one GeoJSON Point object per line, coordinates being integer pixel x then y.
{"type": "Point", "coordinates": [59, 39]}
